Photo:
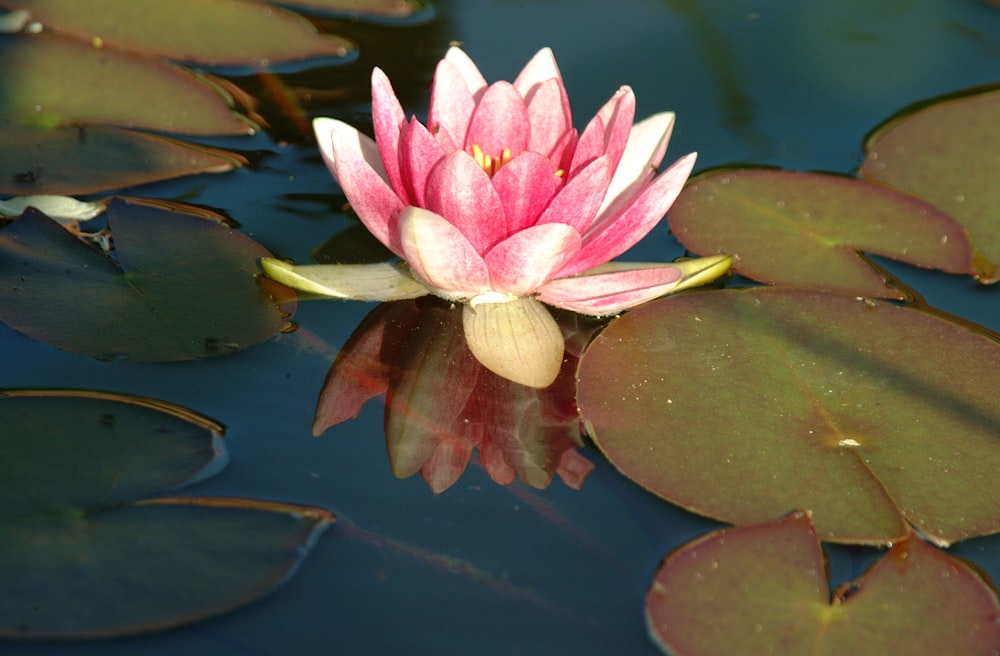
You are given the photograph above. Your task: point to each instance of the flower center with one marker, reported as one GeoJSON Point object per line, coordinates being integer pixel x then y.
{"type": "Point", "coordinates": [490, 164]}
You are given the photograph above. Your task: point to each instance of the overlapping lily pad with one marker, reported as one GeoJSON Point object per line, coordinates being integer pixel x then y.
{"type": "Point", "coordinates": [762, 590]}
{"type": "Point", "coordinates": [745, 404]}
{"type": "Point", "coordinates": [805, 229]}
{"type": "Point", "coordinates": [84, 558]}
{"type": "Point", "coordinates": [178, 286]}
{"type": "Point", "coordinates": [946, 153]}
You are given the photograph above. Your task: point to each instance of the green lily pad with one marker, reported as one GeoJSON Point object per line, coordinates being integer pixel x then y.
{"type": "Point", "coordinates": [762, 590]}
{"type": "Point", "coordinates": [946, 153]}
{"type": "Point", "coordinates": [805, 229]}
{"type": "Point", "coordinates": [179, 286]}
{"type": "Point", "coordinates": [84, 559]}
{"type": "Point", "coordinates": [55, 81]}
{"type": "Point", "coordinates": [744, 404]}
{"type": "Point", "coordinates": [204, 32]}
{"type": "Point", "coordinates": [61, 161]}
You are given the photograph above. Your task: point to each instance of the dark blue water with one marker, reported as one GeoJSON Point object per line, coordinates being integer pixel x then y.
{"type": "Point", "coordinates": [503, 570]}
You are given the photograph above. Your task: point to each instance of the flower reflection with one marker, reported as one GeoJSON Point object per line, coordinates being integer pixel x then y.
{"type": "Point", "coordinates": [499, 204]}
{"type": "Point", "coordinates": [441, 403]}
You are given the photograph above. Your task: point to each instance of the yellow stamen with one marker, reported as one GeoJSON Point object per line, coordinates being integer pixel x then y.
{"type": "Point", "coordinates": [490, 164]}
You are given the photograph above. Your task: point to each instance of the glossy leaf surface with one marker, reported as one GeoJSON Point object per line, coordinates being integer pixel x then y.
{"type": "Point", "coordinates": [54, 80]}
{"type": "Point", "coordinates": [179, 287]}
{"type": "Point", "coordinates": [743, 404]}
{"type": "Point", "coordinates": [762, 589]}
{"type": "Point", "coordinates": [205, 32]}
{"type": "Point", "coordinates": [62, 160]}
{"type": "Point", "coordinates": [946, 153]}
{"type": "Point", "coordinates": [82, 558]}
{"type": "Point", "coordinates": [804, 229]}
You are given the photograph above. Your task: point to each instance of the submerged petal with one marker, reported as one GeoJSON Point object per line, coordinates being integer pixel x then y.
{"type": "Point", "coordinates": [518, 340]}
{"type": "Point", "coordinates": [523, 262]}
{"type": "Point", "coordinates": [441, 255]}
{"type": "Point", "coordinates": [384, 281]}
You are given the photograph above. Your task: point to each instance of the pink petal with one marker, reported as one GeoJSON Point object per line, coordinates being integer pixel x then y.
{"type": "Point", "coordinates": [388, 119]}
{"type": "Point", "coordinates": [462, 192]}
{"type": "Point", "coordinates": [457, 82]}
{"type": "Point", "coordinates": [577, 202]}
{"type": "Point", "coordinates": [644, 151]}
{"type": "Point", "coordinates": [549, 113]}
{"type": "Point", "coordinates": [541, 68]}
{"type": "Point", "coordinates": [523, 262]}
{"type": "Point", "coordinates": [419, 151]}
{"type": "Point", "coordinates": [525, 186]}
{"type": "Point", "coordinates": [614, 235]}
{"type": "Point", "coordinates": [441, 255]}
{"type": "Point", "coordinates": [609, 293]}
{"type": "Point", "coordinates": [607, 132]}
{"type": "Point", "coordinates": [499, 122]}
{"type": "Point", "coordinates": [589, 146]}
{"type": "Point", "coordinates": [354, 160]}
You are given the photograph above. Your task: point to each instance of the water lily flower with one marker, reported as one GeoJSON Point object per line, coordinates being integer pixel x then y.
{"type": "Point", "coordinates": [498, 203]}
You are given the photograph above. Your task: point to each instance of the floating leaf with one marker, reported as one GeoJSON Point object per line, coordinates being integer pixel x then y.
{"type": "Point", "coordinates": [367, 9]}
{"type": "Point", "coordinates": [62, 161]}
{"type": "Point", "coordinates": [205, 32]}
{"type": "Point", "coordinates": [180, 287]}
{"type": "Point", "coordinates": [762, 590]}
{"type": "Point", "coordinates": [55, 81]}
{"type": "Point", "coordinates": [744, 404]}
{"type": "Point", "coordinates": [804, 229]}
{"type": "Point", "coordinates": [946, 153]}
{"type": "Point", "coordinates": [82, 559]}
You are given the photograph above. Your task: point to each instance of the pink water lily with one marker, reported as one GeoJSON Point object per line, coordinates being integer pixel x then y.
{"type": "Point", "coordinates": [500, 204]}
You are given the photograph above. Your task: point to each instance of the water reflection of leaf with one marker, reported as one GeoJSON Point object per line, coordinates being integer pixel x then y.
{"type": "Point", "coordinates": [441, 404]}
{"type": "Point", "coordinates": [86, 556]}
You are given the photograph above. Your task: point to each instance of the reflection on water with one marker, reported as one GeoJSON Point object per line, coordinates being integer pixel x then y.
{"type": "Point", "coordinates": [441, 403]}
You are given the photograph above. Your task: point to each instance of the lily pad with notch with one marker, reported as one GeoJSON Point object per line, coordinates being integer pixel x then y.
{"type": "Point", "coordinates": [806, 229]}
{"type": "Point", "coordinates": [85, 556]}
{"type": "Point", "coordinates": [745, 404]}
{"type": "Point", "coordinates": [762, 589]}
{"type": "Point", "coordinates": [177, 287]}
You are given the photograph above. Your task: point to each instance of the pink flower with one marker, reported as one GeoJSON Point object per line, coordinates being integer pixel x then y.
{"type": "Point", "coordinates": [500, 204]}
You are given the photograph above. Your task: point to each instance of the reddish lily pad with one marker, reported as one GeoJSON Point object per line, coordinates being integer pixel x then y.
{"type": "Point", "coordinates": [366, 9]}
{"type": "Point", "coordinates": [71, 528]}
{"type": "Point", "coordinates": [54, 81]}
{"type": "Point", "coordinates": [179, 286]}
{"type": "Point", "coordinates": [946, 153]}
{"type": "Point", "coordinates": [805, 229]}
{"type": "Point", "coordinates": [61, 161]}
{"type": "Point", "coordinates": [744, 404]}
{"type": "Point", "coordinates": [205, 32]}
{"type": "Point", "coordinates": [762, 590]}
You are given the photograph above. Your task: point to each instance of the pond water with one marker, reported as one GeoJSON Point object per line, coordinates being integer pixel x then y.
{"type": "Point", "coordinates": [483, 568]}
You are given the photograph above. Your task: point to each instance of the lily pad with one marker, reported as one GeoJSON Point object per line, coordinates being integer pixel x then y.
{"type": "Point", "coordinates": [367, 9]}
{"type": "Point", "coordinates": [56, 81]}
{"type": "Point", "coordinates": [805, 229]}
{"type": "Point", "coordinates": [762, 590]}
{"type": "Point", "coordinates": [744, 404]}
{"type": "Point", "coordinates": [946, 153]}
{"type": "Point", "coordinates": [178, 287]}
{"type": "Point", "coordinates": [204, 32]}
{"type": "Point", "coordinates": [71, 529]}
{"type": "Point", "coordinates": [61, 161]}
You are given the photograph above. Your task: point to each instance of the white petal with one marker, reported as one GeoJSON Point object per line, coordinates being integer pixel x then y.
{"type": "Point", "coordinates": [60, 208]}
{"type": "Point", "coordinates": [518, 340]}
{"type": "Point", "coordinates": [385, 281]}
